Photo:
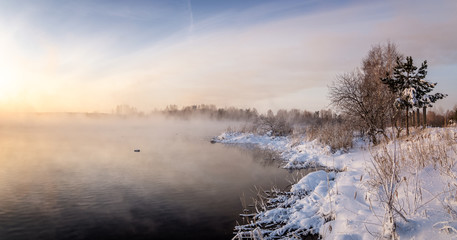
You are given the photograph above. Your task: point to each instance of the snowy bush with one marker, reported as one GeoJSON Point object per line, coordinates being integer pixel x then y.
{"type": "Point", "coordinates": [278, 126]}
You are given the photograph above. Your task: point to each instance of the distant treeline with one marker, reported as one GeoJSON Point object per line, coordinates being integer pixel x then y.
{"type": "Point", "coordinates": [211, 111]}
{"type": "Point", "coordinates": [443, 119]}
{"type": "Point", "coordinates": [293, 116]}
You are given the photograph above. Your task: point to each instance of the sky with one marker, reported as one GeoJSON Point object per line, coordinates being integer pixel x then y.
{"type": "Point", "coordinates": [89, 56]}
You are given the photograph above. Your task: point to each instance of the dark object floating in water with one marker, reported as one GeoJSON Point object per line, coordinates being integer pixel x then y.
{"type": "Point", "coordinates": [213, 141]}
{"type": "Point", "coordinates": [136, 150]}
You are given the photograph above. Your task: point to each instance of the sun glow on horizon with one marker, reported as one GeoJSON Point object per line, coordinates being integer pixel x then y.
{"type": "Point", "coordinates": [78, 57]}
{"type": "Point", "coordinates": [8, 80]}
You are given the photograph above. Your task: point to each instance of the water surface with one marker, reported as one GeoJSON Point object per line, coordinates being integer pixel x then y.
{"type": "Point", "coordinates": [73, 177]}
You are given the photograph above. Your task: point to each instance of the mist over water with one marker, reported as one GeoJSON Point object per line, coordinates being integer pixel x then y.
{"type": "Point", "coordinates": [75, 177]}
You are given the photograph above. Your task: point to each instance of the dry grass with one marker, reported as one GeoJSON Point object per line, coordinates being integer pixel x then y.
{"type": "Point", "coordinates": [396, 169]}
{"type": "Point", "coordinates": [336, 135]}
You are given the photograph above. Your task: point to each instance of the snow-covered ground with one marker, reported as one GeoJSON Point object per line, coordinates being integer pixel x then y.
{"type": "Point", "coordinates": [348, 202]}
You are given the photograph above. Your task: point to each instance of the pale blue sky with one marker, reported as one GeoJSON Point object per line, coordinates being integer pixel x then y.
{"type": "Point", "coordinates": [93, 55]}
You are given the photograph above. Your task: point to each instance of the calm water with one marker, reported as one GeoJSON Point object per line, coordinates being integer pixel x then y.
{"type": "Point", "coordinates": [79, 178]}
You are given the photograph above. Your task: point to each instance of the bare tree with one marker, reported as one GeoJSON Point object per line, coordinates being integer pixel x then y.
{"type": "Point", "coordinates": [277, 125]}
{"type": "Point", "coordinates": [361, 96]}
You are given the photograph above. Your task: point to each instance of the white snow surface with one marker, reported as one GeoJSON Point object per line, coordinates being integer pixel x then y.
{"type": "Point", "coordinates": [342, 204]}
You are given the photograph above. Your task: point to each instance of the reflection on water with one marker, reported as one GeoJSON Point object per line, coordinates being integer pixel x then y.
{"type": "Point", "coordinates": [78, 178]}
{"type": "Point", "coordinates": [264, 157]}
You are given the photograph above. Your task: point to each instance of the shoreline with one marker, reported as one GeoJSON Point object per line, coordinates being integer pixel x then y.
{"type": "Point", "coordinates": [341, 203]}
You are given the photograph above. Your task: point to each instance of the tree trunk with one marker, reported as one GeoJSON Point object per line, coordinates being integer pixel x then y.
{"type": "Point", "coordinates": [424, 112]}
{"type": "Point", "coordinates": [407, 121]}
{"type": "Point", "coordinates": [413, 119]}
{"type": "Point", "coordinates": [418, 120]}
{"type": "Point", "coordinates": [388, 225]}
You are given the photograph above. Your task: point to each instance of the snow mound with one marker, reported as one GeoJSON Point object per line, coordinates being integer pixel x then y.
{"type": "Point", "coordinates": [297, 212]}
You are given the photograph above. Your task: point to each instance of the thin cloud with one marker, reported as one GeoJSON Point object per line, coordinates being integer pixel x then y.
{"type": "Point", "coordinates": [271, 63]}
{"type": "Point", "coordinates": [191, 16]}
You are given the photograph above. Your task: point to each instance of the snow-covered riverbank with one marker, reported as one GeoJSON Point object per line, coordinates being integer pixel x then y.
{"type": "Point", "coordinates": [349, 203]}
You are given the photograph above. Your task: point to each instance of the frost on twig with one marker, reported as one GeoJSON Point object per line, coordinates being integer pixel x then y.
{"type": "Point", "coordinates": [291, 214]}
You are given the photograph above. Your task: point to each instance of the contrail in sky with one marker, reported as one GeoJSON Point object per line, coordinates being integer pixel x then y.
{"type": "Point", "coordinates": [191, 16]}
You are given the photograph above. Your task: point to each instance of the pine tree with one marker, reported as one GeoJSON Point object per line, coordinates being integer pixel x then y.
{"type": "Point", "coordinates": [411, 88]}
{"type": "Point", "coordinates": [403, 85]}
{"type": "Point", "coordinates": [423, 88]}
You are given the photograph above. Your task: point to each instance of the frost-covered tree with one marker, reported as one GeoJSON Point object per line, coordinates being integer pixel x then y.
{"type": "Point", "coordinates": [360, 95]}
{"type": "Point", "coordinates": [410, 87]}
